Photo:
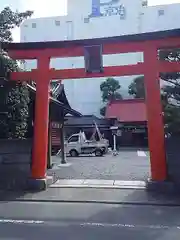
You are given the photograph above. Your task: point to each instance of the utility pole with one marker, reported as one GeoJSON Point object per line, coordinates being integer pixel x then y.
{"type": "Point", "coordinates": [63, 153]}
{"type": "Point", "coordinates": [49, 162]}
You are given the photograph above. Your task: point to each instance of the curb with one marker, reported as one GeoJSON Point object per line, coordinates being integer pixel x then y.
{"type": "Point", "coordinates": [99, 184]}
{"type": "Point", "coordinates": [99, 187]}
{"type": "Point", "coordinates": [95, 201]}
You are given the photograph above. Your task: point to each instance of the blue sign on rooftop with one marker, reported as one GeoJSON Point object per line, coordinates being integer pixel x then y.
{"type": "Point", "coordinates": [107, 8]}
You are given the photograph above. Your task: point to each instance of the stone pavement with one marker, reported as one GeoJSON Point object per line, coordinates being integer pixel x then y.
{"type": "Point", "coordinates": [128, 165]}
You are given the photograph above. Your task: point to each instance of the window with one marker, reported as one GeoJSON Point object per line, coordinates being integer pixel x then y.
{"type": "Point", "coordinates": [161, 12]}
{"type": "Point", "coordinates": [73, 139]}
{"type": "Point", "coordinates": [86, 20]}
{"type": "Point", "coordinates": [33, 25]}
{"type": "Point", "coordinates": [93, 58]}
{"type": "Point", "coordinates": [145, 3]}
{"type": "Point", "coordinates": [57, 23]}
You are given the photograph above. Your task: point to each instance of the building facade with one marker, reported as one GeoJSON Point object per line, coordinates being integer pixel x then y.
{"type": "Point", "coordinates": [95, 19]}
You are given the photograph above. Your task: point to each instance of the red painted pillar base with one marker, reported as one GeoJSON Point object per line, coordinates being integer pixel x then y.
{"type": "Point", "coordinates": [40, 139]}
{"type": "Point", "coordinates": [154, 113]}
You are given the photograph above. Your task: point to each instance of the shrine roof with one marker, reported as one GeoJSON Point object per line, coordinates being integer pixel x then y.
{"type": "Point", "coordinates": [129, 110]}
{"type": "Point", "coordinates": [123, 38]}
{"type": "Point", "coordinates": [61, 102]}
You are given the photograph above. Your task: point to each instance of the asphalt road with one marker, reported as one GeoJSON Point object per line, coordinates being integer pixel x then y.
{"type": "Point", "coordinates": [126, 166]}
{"type": "Point", "coordinates": [23, 220]}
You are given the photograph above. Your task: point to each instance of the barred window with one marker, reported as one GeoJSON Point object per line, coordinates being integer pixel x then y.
{"type": "Point", "coordinates": [57, 23]}
{"type": "Point", "coordinates": [33, 25]}
{"type": "Point", "coordinates": [161, 12]}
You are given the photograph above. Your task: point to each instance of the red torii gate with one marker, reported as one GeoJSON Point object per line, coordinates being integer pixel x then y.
{"type": "Point", "coordinates": [148, 43]}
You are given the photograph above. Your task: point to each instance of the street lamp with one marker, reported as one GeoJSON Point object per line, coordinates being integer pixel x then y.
{"type": "Point", "coordinates": [114, 132]}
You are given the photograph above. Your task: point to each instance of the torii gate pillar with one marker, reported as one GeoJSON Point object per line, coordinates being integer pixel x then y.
{"type": "Point", "coordinates": [154, 115]}
{"type": "Point", "coordinates": [40, 140]}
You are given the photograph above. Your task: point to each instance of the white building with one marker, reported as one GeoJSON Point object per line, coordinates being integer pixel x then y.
{"type": "Point", "coordinates": [95, 19]}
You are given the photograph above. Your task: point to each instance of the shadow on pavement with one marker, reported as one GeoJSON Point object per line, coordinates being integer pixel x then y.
{"type": "Point", "coordinates": [144, 222]}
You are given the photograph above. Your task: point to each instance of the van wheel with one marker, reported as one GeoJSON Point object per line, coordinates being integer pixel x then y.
{"type": "Point", "coordinates": [98, 152]}
{"type": "Point", "coordinates": [73, 153]}
{"type": "Point", "coordinates": [104, 150]}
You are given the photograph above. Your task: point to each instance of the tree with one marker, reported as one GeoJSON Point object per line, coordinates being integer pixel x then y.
{"type": "Point", "coordinates": [171, 92]}
{"type": "Point", "coordinates": [9, 20]}
{"type": "Point", "coordinates": [14, 96]}
{"type": "Point", "coordinates": [110, 91]}
{"type": "Point", "coordinates": [171, 102]}
{"type": "Point", "coordinates": [136, 88]}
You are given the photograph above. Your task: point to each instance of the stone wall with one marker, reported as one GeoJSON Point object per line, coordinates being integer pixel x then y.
{"type": "Point", "coordinates": [173, 158]}
{"type": "Point", "coordinates": [15, 163]}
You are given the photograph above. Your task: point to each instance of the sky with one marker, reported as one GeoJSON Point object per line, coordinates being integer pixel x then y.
{"type": "Point", "coordinates": [52, 7]}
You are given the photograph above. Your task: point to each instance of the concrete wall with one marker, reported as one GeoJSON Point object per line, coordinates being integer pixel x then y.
{"type": "Point", "coordinates": [159, 18]}
{"type": "Point", "coordinates": [15, 163]}
{"type": "Point", "coordinates": [44, 29]}
{"type": "Point", "coordinates": [78, 25]}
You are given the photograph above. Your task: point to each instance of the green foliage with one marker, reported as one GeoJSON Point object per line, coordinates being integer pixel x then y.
{"type": "Point", "coordinates": [171, 106]}
{"type": "Point", "coordinates": [14, 96]}
{"type": "Point", "coordinates": [169, 54]}
{"type": "Point", "coordinates": [17, 103]}
{"type": "Point", "coordinates": [110, 91]}
{"type": "Point", "coordinates": [10, 20]}
{"type": "Point", "coordinates": [136, 88]}
{"type": "Point", "coordinates": [14, 100]}
{"type": "Point", "coordinates": [171, 92]}
{"type": "Point", "coordinates": [172, 118]}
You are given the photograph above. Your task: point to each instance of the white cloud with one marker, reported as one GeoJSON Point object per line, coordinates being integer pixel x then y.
{"type": "Point", "coordinates": [45, 8]}
{"type": "Point", "coordinates": [159, 2]}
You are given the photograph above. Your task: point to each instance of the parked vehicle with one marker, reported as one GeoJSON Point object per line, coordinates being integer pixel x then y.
{"type": "Point", "coordinates": [77, 144]}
